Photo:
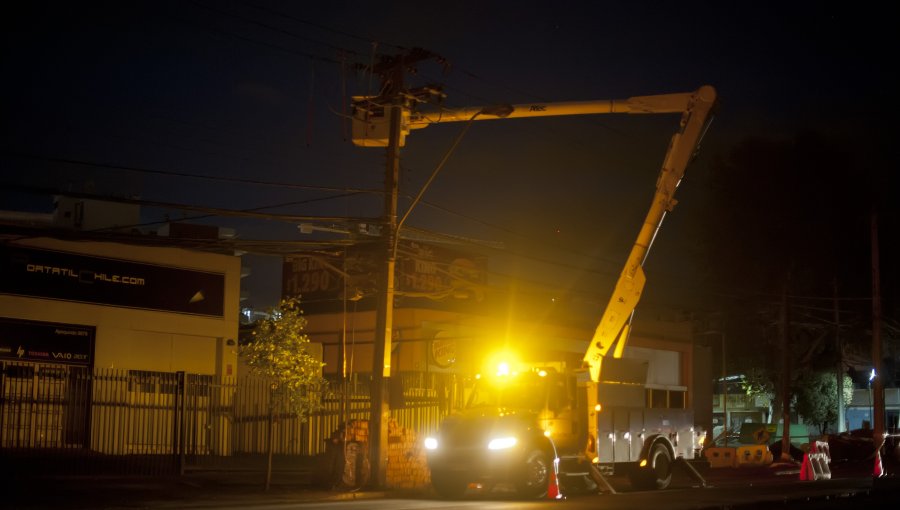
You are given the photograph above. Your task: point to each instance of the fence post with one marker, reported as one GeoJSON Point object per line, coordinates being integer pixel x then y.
{"type": "Point", "coordinates": [182, 450]}
{"type": "Point", "coordinates": [178, 422]}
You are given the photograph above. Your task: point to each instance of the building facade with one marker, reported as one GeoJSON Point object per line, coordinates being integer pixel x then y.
{"type": "Point", "coordinates": [110, 305]}
{"type": "Point", "coordinates": [98, 340]}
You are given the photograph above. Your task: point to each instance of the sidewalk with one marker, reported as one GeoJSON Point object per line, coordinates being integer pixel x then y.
{"type": "Point", "coordinates": [206, 489]}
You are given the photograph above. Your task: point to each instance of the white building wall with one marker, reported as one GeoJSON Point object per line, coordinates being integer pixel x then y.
{"type": "Point", "coordinates": [142, 339]}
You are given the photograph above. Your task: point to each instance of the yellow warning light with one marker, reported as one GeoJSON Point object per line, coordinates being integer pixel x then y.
{"type": "Point", "coordinates": [542, 373]}
{"type": "Point", "coordinates": [546, 433]}
{"type": "Point", "coordinates": [598, 408]}
{"type": "Point", "coordinates": [643, 463]}
{"type": "Point", "coordinates": [502, 369]}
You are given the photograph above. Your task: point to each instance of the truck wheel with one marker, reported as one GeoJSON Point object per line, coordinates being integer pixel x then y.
{"type": "Point", "coordinates": [657, 474]}
{"type": "Point", "coordinates": [535, 477]}
{"type": "Point", "coordinates": [448, 486]}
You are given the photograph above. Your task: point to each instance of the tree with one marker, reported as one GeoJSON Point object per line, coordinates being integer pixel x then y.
{"type": "Point", "coordinates": [279, 352]}
{"type": "Point", "coordinates": [817, 397]}
{"type": "Point", "coordinates": [757, 383]}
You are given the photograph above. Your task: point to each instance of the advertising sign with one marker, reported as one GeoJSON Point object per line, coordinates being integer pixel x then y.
{"type": "Point", "coordinates": [46, 342]}
{"type": "Point", "coordinates": [76, 277]}
{"type": "Point", "coordinates": [422, 271]}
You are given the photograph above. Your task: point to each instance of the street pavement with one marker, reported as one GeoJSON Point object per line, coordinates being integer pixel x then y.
{"type": "Point", "coordinates": [200, 489]}
{"type": "Point", "coordinates": [234, 488]}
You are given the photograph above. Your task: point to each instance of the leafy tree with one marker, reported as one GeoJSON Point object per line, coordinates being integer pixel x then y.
{"type": "Point", "coordinates": [817, 400]}
{"type": "Point", "coordinates": [279, 352]}
{"type": "Point", "coordinates": [758, 383]}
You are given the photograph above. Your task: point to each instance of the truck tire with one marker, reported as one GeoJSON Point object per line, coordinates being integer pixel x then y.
{"type": "Point", "coordinates": [534, 479]}
{"type": "Point", "coordinates": [657, 474]}
{"type": "Point", "coordinates": [448, 485]}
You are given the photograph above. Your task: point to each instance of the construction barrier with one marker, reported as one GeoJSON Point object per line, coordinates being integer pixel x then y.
{"type": "Point", "coordinates": [719, 456]}
{"type": "Point", "coordinates": [753, 456]}
{"type": "Point", "coordinates": [762, 435]}
{"type": "Point", "coordinates": [815, 467]}
{"type": "Point", "coordinates": [820, 447]}
{"type": "Point", "coordinates": [824, 471]}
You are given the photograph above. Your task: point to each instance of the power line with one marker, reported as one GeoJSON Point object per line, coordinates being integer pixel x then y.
{"type": "Point", "coordinates": [310, 56]}
{"type": "Point", "coordinates": [246, 213]}
{"type": "Point", "coordinates": [237, 180]}
{"type": "Point", "coordinates": [323, 27]}
{"type": "Point", "coordinates": [280, 30]}
{"type": "Point", "coordinates": [345, 193]}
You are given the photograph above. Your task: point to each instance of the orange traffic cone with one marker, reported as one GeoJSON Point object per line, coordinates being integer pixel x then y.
{"type": "Point", "coordinates": [553, 491]}
{"type": "Point", "coordinates": [878, 470]}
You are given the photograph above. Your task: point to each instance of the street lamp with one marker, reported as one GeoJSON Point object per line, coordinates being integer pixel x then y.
{"type": "Point", "coordinates": [871, 399]}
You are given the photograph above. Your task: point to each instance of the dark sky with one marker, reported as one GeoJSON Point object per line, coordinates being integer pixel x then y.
{"type": "Point", "coordinates": [114, 98]}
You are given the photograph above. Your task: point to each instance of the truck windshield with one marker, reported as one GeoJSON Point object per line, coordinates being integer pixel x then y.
{"type": "Point", "coordinates": [521, 392]}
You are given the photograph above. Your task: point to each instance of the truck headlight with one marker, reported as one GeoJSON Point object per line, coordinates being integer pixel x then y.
{"type": "Point", "coordinates": [502, 443]}
{"type": "Point", "coordinates": [431, 443]}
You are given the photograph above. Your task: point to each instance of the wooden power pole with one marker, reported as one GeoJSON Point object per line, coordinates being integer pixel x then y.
{"type": "Point", "coordinates": [785, 375]}
{"type": "Point", "coordinates": [380, 412]}
{"type": "Point", "coordinates": [391, 70]}
{"type": "Point", "coordinates": [839, 367]}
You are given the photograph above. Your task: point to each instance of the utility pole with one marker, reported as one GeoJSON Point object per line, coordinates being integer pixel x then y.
{"type": "Point", "coordinates": [724, 381]}
{"type": "Point", "coordinates": [391, 70]}
{"type": "Point", "coordinates": [877, 384]}
{"type": "Point", "coordinates": [839, 351]}
{"type": "Point", "coordinates": [785, 374]}
{"type": "Point", "coordinates": [380, 412]}
{"type": "Point", "coordinates": [724, 390]}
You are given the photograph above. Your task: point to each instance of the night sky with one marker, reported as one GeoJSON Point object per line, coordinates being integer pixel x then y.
{"type": "Point", "coordinates": [132, 99]}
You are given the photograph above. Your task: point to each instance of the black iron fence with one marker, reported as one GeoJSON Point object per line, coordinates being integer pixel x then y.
{"type": "Point", "coordinates": [143, 422]}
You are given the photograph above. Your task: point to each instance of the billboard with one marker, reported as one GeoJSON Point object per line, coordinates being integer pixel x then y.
{"type": "Point", "coordinates": [422, 271]}
{"type": "Point", "coordinates": [33, 272]}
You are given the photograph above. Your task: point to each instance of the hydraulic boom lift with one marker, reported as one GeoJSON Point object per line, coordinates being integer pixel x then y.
{"type": "Point", "coordinates": [454, 459]}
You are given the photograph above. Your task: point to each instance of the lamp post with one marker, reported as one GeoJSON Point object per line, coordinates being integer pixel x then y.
{"type": "Point", "coordinates": [871, 400]}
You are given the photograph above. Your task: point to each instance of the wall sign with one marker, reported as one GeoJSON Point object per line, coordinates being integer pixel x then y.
{"type": "Point", "coordinates": [46, 342]}
{"type": "Point", "coordinates": [443, 350]}
{"type": "Point", "coordinates": [115, 282]}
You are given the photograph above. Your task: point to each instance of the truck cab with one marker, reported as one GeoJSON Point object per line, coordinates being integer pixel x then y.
{"type": "Point", "coordinates": [503, 435]}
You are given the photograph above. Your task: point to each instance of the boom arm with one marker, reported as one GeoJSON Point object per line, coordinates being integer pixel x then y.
{"type": "Point", "coordinates": [612, 328]}
{"type": "Point", "coordinates": [663, 103]}
{"type": "Point", "coordinates": [369, 129]}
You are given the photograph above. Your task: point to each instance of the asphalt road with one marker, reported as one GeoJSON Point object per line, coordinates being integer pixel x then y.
{"type": "Point", "coordinates": [747, 489]}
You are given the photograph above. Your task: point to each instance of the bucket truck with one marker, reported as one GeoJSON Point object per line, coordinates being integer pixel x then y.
{"type": "Point", "coordinates": [520, 421]}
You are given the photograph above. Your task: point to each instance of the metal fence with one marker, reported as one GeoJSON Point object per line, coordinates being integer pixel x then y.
{"type": "Point", "coordinates": [135, 421]}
